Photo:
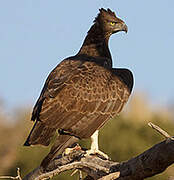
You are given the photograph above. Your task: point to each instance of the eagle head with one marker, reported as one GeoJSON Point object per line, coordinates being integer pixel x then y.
{"type": "Point", "coordinates": [109, 23]}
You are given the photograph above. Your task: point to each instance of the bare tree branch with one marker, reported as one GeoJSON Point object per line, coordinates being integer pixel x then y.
{"type": "Point", "coordinates": [151, 162]}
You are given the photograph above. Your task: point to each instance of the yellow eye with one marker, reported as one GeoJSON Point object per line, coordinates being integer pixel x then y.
{"type": "Point", "coordinates": [112, 23]}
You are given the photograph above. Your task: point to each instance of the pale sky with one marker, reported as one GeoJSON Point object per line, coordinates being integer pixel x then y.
{"type": "Point", "coordinates": [36, 35]}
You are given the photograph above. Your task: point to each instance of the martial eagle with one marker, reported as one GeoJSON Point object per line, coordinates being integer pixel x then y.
{"type": "Point", "coordinates": [82, 92]}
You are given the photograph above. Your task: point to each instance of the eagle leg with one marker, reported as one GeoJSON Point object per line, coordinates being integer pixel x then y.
{"type": "Point", "coordinates": [94, 146]}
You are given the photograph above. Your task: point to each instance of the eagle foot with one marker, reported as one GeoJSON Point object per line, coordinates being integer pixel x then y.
{"type": "Point", "coordinates": [97, 152]}
{"type": "Point", "coordinates": [94, 147]}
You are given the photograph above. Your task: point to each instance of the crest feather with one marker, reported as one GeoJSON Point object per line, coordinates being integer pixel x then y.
{"type": "Point", "coordinates": [104, 13]}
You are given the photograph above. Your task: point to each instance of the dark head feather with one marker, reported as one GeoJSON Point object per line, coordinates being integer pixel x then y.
{"type": "Point", "coordinates": [109, 22]}
{"type": "Point", "coordinates": [105, 14]}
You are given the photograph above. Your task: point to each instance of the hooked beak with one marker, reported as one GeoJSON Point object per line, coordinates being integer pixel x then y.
{"type": "Point", "coordinates": [121, 27]}
{"type": "Point", "coordinates": [124, 28]}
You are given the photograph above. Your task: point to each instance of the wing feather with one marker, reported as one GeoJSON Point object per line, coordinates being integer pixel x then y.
{"type": "Point", "coordinates": [80, 97]}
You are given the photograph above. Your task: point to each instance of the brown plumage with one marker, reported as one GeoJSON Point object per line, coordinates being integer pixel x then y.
{"type": "Point", "coordinates": [83, 92]}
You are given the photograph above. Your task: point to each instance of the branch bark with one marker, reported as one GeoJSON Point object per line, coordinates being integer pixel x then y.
{"type": "Point", "coordinates": [151, 162]}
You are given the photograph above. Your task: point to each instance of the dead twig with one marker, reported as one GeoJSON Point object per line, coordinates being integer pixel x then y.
{"type": "Point", "coordinates": [11, 177]}
{"type": "Point", "coordinates": [161, 131]}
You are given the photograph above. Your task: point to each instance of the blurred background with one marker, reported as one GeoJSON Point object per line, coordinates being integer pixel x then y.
{"type": "Point", "coordinates": [36, 35]}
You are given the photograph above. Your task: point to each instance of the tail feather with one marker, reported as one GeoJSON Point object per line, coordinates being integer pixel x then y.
{"type": "Point", "coordinates": [61, 143]}
{"type": "Point", "coordinates": [40, 134]}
